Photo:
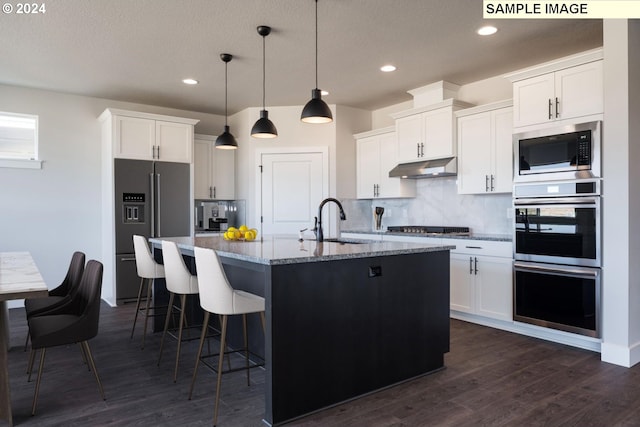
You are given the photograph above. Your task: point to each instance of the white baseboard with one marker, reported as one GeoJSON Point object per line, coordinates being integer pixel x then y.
{"type": "Point", "coordinates": [561, 337]}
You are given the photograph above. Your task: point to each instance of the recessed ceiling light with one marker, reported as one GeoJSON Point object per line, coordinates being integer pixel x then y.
{"type": "Point", "coordinates": [487, 30]}
{"type": "Point", "coordinates": [387, 68]}
{"type": "Point", "coordinates": [324, 92]}
{"type": "Point", "coordinates": [190, 81]}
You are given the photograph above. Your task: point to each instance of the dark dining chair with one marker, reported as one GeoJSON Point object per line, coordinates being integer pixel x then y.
{"type": "Point", "coordinates": [59, 296]}
{"type": "Point", "coordinates": [76, 322]}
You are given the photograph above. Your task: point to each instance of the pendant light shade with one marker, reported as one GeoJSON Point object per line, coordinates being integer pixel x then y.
{"type": "Point", "coordinates": [226, 140]}
{"type": "Point", "coordinates": [316, 110]}
{"type": "Point", "coordinates": [264, 128]}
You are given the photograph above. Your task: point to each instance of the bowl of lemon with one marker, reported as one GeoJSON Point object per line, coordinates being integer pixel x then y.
{"type": "Point", "coordinates": [242, 233]}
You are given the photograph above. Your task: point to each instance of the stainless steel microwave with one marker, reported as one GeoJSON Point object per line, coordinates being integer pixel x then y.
{"type": "Point", "coordinates": [567, 152]}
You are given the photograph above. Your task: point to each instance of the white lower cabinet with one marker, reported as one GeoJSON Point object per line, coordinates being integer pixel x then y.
{"type": "Point", "coordinates": [481, 278]}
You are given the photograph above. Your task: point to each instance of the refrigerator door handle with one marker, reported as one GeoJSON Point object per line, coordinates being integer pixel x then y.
{"type": "Point", "coordinates": [158, 204]}
{"type": "Point", "coordinates": [153, 205]}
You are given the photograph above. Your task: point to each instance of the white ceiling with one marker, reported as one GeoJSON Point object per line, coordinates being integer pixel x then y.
{"type": "Point", "coordinates": [140, 50]}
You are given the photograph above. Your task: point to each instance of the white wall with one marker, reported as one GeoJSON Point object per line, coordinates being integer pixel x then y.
{"type": "Point", "coordinates": [54, 211]}
{"type": "Point", "coordinates": [621, 193]}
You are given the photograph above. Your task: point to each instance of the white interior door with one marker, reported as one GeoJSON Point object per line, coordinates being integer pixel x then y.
{"type": "Point", "coordinates": [293, 185]}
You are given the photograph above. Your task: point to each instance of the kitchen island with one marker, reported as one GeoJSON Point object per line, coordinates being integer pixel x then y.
{"type": "Point", "coordinates": [343, 319]}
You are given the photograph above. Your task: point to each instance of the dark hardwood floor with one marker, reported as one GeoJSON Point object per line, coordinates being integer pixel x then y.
{"type": "Point", "coordinates": [492, 378]}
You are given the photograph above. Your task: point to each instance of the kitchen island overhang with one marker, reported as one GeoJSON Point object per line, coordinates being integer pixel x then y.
{"type": "Point", "coordinates": [343, 320]}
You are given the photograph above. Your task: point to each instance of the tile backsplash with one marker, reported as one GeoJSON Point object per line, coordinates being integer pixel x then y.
{"type": "Point", "coordinates": [437, 202]}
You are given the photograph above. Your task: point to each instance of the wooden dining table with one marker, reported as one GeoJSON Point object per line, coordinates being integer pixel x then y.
{"type": "Point", "coordinates": [19, 278]}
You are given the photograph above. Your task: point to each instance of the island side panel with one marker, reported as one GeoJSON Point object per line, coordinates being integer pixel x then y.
{"type": "Point", "coordinates": [337, 332]}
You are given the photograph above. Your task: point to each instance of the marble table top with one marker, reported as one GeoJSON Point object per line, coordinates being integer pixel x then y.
{"type": "Point", "coordinates": [19, 277]}
{"type": "Point", "coordinates": [286, 249]}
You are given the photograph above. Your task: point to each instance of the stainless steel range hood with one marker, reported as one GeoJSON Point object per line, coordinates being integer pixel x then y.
{"type": "Point", "coordinates": [425, 169]}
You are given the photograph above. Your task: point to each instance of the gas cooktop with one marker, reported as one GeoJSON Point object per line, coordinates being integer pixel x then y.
{"type": "Point", "coordinates": [428, 229]}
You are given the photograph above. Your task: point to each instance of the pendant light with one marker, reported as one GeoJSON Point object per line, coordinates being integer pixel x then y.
{"type": "Point", "coordinates": [226, 141]}
{"type": "Point", "coordinates": [264, 128]}
{"type": "Point", "coordinates": [316, 110]}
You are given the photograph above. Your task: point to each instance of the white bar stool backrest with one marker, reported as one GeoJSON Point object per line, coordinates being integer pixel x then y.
{"type": "Point", "coordinates": [146, 266]}
{"type": "Point", "coordinates": [179, 279]}
{"type": "Point", "coordinates": [216, 294]}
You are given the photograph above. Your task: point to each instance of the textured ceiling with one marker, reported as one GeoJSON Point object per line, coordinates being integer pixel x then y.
{"type": "Point", "coordinates": [140, 50]}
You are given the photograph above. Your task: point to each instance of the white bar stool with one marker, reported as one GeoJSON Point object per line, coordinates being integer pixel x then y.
{"type": "Point", "coordinates": [218, 297]}
{"type": "Point", "coordinates": [148, 270]}
{"type": "Point", "coordinates": [180, 282]}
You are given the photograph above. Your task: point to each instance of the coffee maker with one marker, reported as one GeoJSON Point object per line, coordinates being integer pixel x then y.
{"type": "Point", "coordinates": [212, 216]}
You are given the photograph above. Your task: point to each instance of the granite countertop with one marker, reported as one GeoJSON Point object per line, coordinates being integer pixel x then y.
{"type": "Point", "coordinates": [286, 249]}
{"type": "Point", "coordinates": [472, 236]}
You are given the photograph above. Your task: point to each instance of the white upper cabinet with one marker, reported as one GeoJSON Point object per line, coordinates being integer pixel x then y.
{"type": "Point", "coordinates": [135, 138]}
{"type": "Point", "coordinates": [146, 136]}
{"type": "Point", "coordinates": [565, 89]}
{"type": "Point", "coordinates": [485, 149]}
{"type": "Point", "coordinates": [174, 142]}
{"type": "Point", "coordinates": [376, 156]}
{"type": "Point", "coordinates": [428, 132]}
{"type": "Point", "coordinates": [213, 170]}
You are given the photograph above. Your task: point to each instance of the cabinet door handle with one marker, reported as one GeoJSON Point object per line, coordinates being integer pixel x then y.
{"type": "Point", "coordinates": [214, 191]}
{"type": "Point", "coordinates": [486, 183]}
{"type": "Point", "coordinates": [550, 115]}
{"type": "Point", "coordinates": [422, 149]}
{"type": "Point", "coordinates": [377, 190]}
{"type": "Point", "coordinates": [470, 265]}
{"type": "Point", "coordinates": [557, 108]}
{"type": "Point", "coordinates": [152, 192]}
{"type": "Point", "coordinates": [476, 266]}
{"type": "Point", "coordinates": [210, 192]}
{"type": "Point", "coordinates": [418, 149]}
{"type": "Point", "coordinates": [493, 187]}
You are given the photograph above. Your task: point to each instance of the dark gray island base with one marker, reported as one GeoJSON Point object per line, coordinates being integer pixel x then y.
{"type": "Point", "coordinates": [343, 321]}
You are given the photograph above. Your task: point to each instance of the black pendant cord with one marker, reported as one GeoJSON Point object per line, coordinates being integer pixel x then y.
{"type": "Point", "coordinates": [316, 44]}
{"type": "Point", "coordinates": [226, 65]}
{"type": "Point", "coordinates": [264, 79]}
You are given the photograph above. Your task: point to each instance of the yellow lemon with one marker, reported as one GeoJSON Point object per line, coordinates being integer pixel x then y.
{"type": "Point", "coordinates": [231, 229]}
{"type": "Point", "coordinates": [224, 236]}
{"type": "Point", "coordinates": [236, 234]}
{"type": "Point", "coordinates": [249, 235]}
{"type": "Point", "coordinates": [229, 235]}
{"type": "Point", "coordinates": [243, 228]}
{"type": "Point", "coordinates": [254, 231]}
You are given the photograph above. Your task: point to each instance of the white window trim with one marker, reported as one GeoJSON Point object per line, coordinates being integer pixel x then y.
{"type": "Point", "coordinates": [21, 163]}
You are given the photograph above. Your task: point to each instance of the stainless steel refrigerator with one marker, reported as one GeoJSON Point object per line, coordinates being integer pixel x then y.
{"type": "Point", "coordinates": [152, 199]}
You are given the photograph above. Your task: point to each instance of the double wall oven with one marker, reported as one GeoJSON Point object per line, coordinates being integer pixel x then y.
{"type": "Point", "coordinates": [557, 236]}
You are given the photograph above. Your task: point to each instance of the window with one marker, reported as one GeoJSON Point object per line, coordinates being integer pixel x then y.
{"type": "Point", "coordinates": [18, 140]}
